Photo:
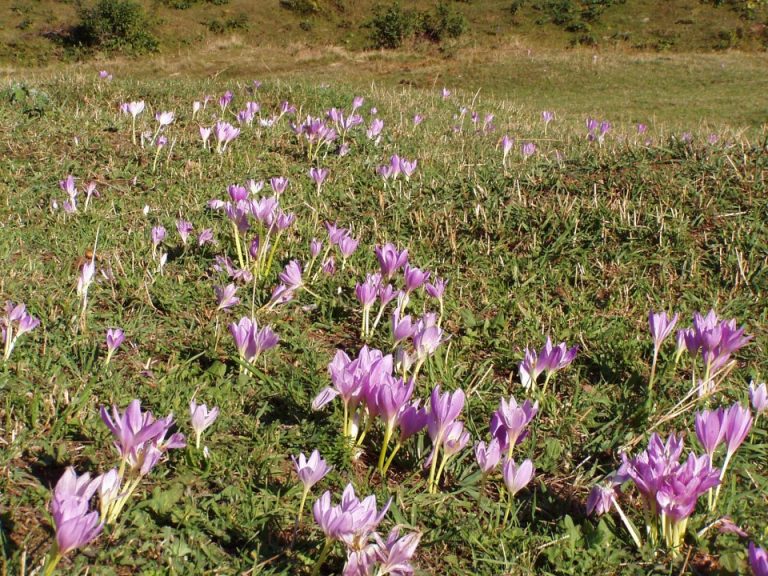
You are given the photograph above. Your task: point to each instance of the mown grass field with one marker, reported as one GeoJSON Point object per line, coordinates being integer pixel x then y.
{"type": "Point", "coordinates": [578, 241]}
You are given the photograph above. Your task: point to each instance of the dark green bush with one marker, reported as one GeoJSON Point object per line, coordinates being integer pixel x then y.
{"type": "Point", "coordinates": [445, 22]}
{"type": "Point", "coordinates": [391, 25]}
{"type": "Point", "coordinates": [119, 25]}
{"type": "Point", "coordinates": [239, 22]}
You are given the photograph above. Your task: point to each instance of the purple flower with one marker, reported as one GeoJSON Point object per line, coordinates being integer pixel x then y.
{"type": "Point", "coordinates": [444, 409]}
{"type": "Point", "coordinates": [506, 145]}
{"type": "Point", "coordinates": [436, 288]}
{"type": "Point", "coordinates": [396, 553]}
{"type": "Point", "coordinates": [115, 337]}
{"type": "Point", "coordinates": [661, 326]}
{"type": "Point", "coordinates": [547, 116]}
{"type": "Point", "coordinates": [758, 560]}
{"type": "Point", "coordinates": [488, 456]}
{"type": "Point", "coordinates": [390, 260]}
{"type": "Point", "coordinates": [418, 119]}
{"type": "Point", "coordinates": [251, 341]}
{"type": "Point", "coordinates": [408, 167]}
{"type": "Point", "coordinates": [352, 521]}
{"type": "Point", "coordinates": [310, 471]}
{"type": "Point", "coordinates": [225, 296]}
{"type": "Point", "coordinates": [528, 150]}
{"type": "Point", "coordinates": [445, 93]}
{"type": "Point", "coordinates": [642, 128]}
{"type": "Point", "coordinates": [367, 292]}
{"type": "Point", "coordinates": [758, 397]}
{"type": "Point", "coordinates": [278, 184]}
{"type": "Point", "coordinates": [139, 437]}
{"type": "Point", "coordinates": [315, 247]}
{"type": "Point", "coordinates": [509, 422]}
{"type": "Point", "coordinates": [737, 421]}
{"type": "Point", "coordinates": [600, 499]}
{"type": "Point", "coordinates": [205, 134]}
{"type": "Point", "coordinates": [318, 176]}
{"type": "Point", "coordinates": [76, 526]}
{"type": "Point", "coordinates": [291, 275]}
{"type": "Point", "coordinates": [164, 118]}
{"type": "Point", "coordinates": [158, 235]}
{"type": "Point", "coordinates": [549, 359]}
{"type": "Point", "coordinates": [329, 266]}
{"type": "Point", "coordinates": [710, 429]}
{"type": "Point", "coordinates": [374, 130]}
{"type": "Point", "coordinates": [402, 328]}
{"type": "Point", "coordinates": [414, 277]}
{"type": "Point", "coordinates": [426, 338]}
{"type": "Point", "coordinates": [517, 477]}
{"type": "Point", "coordinates": [184, 229]}
{"type": "Point", "coordinates": [205, 237]}
{"type": "Point", "coordinates": [201, 418]}
{"type": "Point", "coordinates": [347, 245]}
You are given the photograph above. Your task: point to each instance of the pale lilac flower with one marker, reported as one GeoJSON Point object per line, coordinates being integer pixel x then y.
{"type": "Point", "coordinates": [201, 419]}
{"type": "Point", "coordinates": [315, 247]}
{"type": "Point", "coordinates": [661, 326]}
{"type": "Point", "coordinates": [225, 296]}
{"type": "Point", "coordinates": [390, 260]}
{"type": "Point", "coordinates": [205, 237]}
{"type": "Point", "coordinates": [394, 555]}
{"type": "Point", "coordinates": [600, 498]}
{"type": "Point", "coordinates": [357, 102]}
{"type": "Point", "coordinates": [758, 397]}
{"type": "Point", "coordinates": [347, 245]}
{"type": "Point", "coordinates": [418, 119]}
{"type": "Point", "coordinates": [76, 526]}
{"type": "Point", "coordinates": [642, 128]}
{"type": "Point", "coordinates": [115, 337]}
{"type": "Point", "coordinates": [205, 134]}
{"type": "Point", "coordinates": [517, 477]}
{"type": "Point", "coordinates": [184, 229]}
{"type": "Point", "coordinates": [408, 167]}
{"type": "Point", "coordinates": [164, 118]}
{"type": "Point", "coordinates": [318, 176]}
{"type": "Point", "coordinates": [329, 266]}
{"type": "Point", "coordinates": [352, 522]}
{"type": "Point", "coordinates": [445, 93]}
{"type": "Point", "coordinates": [135, 108]}
{"type": "Point", "coordinates": [414, 277]}
{"type": "Point", "coordinates": [547, 116]}
{"type": "Point", "coordinates": [310, 470]}
{"type": "Point", "coordinates": [528, 150]}
{"type": "Point", "coordinates": [507, 144]}
{"type": "Point", "coordinates": [225, 99]}
{"type": "Point", "coordinates": [509, 422]}
{"type": "Point", "coordinates": [196, 106]}
{"type": "Point", "coordinates": [158, 235]}
{"type": "Point", "coordinates": [279, 184]}
{"type": "Point", "coordinates": [374, 130]}
{"type": "Point", "coordinates": [436, 288]}
{"type": "Point", "coordinates": [488, 456]}
{"type": "Point", "coordinates": [291, 275]}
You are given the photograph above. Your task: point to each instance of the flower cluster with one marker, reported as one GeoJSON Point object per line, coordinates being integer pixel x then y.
{"type": "Point", "coordinates": [549, 360]}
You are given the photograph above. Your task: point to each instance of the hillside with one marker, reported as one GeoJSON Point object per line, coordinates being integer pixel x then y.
{"type": "Point", "coordinates": [36, 31]}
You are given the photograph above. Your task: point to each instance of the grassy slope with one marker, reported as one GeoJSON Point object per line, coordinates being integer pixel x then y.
{"type": "Point", "coordinates": [681, 25]}
{"type": "Point", "coordinates": [580, 250]}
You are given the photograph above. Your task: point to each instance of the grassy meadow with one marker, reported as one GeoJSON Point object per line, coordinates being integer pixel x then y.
{"type": "Point", "coordinates": [576, 238]}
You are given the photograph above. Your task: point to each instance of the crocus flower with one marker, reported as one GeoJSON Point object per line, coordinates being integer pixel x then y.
{"type": "Point", "coordinates": [205, 237]}
{"type": "Point", "coordinates": [509, 422]}
{"type": "Point", "coordinates": [661, 326]}
{"type": "Point", "coordinates": [710, 431]}
{"type": "Point", "coordinates": [135, 108]}
{"type": "Point", "coordinates": [758, 560]}
{"type": "Point", "coordinates": [205, 134]}
{"type": "Point", "coordinates": [506, 146]}
{"type": "Point", "coordinates": [115, 337]}
{"type": "Point", "coordinates": [279, 184]}
{"type": "Point", "coordinates": [164, 118]}
{"type": "Point", "coordinates": [158, 235]}
{"type": "Point", "coordinates": [201, 418]}
{"type": "Point", "coordinates": [517, 477]}
{"type": "Point", "coordinates": [225, 296]}
{"type": "Point", "coordinates": [318, 176]}
{"type": "Point", "coordinates": [528, 150]}
{"type": "Point", "coordinates": [758, 397]}
{"type": "Point", "coordinates": [76, 526]}
{"type": "Point", "coordinates": [310, 470]}
{"type": "Point", "coordinates": [737, 422]}
{"type": "Point", "coordinates": [252, 341]}
{"type": "Point", "coordinates": [547, 116]}
{"type": "Point", "coordinates": [352, 522]}
{"type": "Point", "coordinates": [445, 93]}
{"type": "Point", "coordinates": [347, 246]}
{"type": "Point", "coordinates": [444, 409]}
{"type": "Point", "coordinates": [394, 555]}
{"type": "Point", "coordinates": [16, 322]}
{"type": "Point", "coordinates": [390, 260]}
{"type": "Point", "coordinates": [315, 247]}
{"type": "Point", "coordinates": [184, 229]}
{"type": "Point", "coordinates": [414, 277]}
{"type": "Point", "coordinates": [488, 456]}
{"type": "Point", "coordinates": [600, 499]}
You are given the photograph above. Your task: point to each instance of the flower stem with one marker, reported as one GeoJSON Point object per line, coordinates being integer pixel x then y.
{"type": "Point", "coordinates": [384, 446]}
{"type": "Point", "coordinates": [323, 555]}
{"type": "Point", "coordinates": [653, 369]}
{"type": "Point", "coordinates": [237, 244]}
{"type": "Point", "coordinates": [391, 458]}
{"type": "Point", "coordinates": [53, 560]}
{"type": "Point", "coordinates": [628, 523]}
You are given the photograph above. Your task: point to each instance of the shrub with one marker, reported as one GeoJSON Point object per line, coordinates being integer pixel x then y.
{"type": "Point", "coordinates": [390, 26]}
{"type": "Point", "coordinates": [119, 25]}
{"type": "Point", "coordinates": [239, 22]}
{"type": "Point", "coordinates": [445, 22]}
{"type": "Point", "coordinates": [304, 7]}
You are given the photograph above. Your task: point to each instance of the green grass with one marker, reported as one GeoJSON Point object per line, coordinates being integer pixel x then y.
{"type": "Point", "coordinates": [580, 248]}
